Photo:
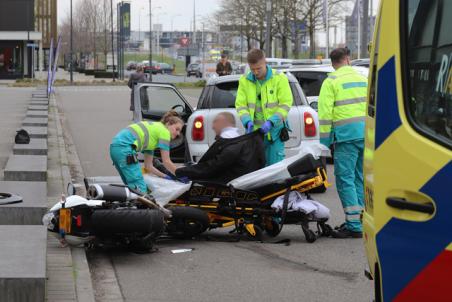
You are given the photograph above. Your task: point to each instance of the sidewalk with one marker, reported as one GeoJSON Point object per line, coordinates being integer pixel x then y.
{"type": "Point", "coordinates": [67, 268]}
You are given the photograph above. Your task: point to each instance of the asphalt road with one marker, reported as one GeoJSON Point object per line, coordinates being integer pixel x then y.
{"type": "Point", "coordinates": [327, 270]}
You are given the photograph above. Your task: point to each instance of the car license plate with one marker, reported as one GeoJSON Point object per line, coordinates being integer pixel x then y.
{"type": "Point", "coordinates": [65, 220]}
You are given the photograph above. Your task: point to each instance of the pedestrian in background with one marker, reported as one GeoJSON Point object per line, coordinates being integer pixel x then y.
{"type": "Point", "coordinates": [342, 110]}
{"type": "Point", "coordinates": [224, 67]}
{"type": "Point", "coordinates": [135, 77]}
{"type": "Point", "coordinates": [263, 102]}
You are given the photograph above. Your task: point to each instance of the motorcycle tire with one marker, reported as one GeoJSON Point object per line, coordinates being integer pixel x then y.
{"type": "Point", "coordinates": [187, 222]}
{"type": "Point", "coordinates": [8, 198]}
{"type": "Point", "coordinates": [126, 221]}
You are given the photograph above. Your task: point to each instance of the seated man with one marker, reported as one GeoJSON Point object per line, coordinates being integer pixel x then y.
{"type": "Point", "coordinates": [231, 155]}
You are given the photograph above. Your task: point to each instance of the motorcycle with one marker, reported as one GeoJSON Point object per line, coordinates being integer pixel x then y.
{"type": "Point", "coordinates": [111, 215]}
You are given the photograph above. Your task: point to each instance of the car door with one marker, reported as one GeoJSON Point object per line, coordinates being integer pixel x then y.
{"type": "Point", "coordinates": [408, 167]}
{"type": "Point", "coordinates": [153, 100]}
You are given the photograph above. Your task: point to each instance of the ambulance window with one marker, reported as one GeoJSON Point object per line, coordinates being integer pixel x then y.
{"type": "Point", "coordinates": [373, 76]}
{"type": "Point", "coordinates": [428, 53]}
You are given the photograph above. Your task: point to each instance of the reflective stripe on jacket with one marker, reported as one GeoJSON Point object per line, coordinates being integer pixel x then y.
{"type": "Point", "coordinates": [150, 135]}
{"type": "Point", "coordinates": [276, 98]}
{"type": "Point", "coordinates": [342, 106]}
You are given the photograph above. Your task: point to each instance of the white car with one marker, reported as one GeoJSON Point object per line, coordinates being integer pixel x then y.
{"type": "Point", "coordinates": [312, 77]}
{"type": "Point", "coordinates": [152, 100]}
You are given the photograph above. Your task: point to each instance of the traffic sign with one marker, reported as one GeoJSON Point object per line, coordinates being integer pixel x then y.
{"type": "Point", "coordinates": [184, 41]}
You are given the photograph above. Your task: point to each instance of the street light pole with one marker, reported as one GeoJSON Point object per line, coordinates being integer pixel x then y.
{"type": "Point", "coordinates": [268, 44]}
{"type": "Point", "coordinates": [71, 60]}
{"type": "Point", "coordinates": [112, 41]}
{"type": "Point", "coordinates": [150, 40]}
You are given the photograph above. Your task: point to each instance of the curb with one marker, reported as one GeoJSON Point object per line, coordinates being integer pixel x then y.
{"type": "Point", "coordinates": [82, 277]}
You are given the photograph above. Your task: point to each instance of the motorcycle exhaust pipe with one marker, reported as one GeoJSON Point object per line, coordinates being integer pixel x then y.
{"type": "Point", "coordinates": [109, 192]}
{"type": "Point", "coordinates": [122, 194]}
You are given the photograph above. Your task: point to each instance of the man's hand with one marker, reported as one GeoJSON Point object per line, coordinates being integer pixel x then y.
{"type": "Point", "coordinates": [249, 127]}
{"type": "Point", "coordinates": [266, 127]}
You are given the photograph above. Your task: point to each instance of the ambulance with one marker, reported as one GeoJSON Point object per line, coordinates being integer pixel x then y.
{"type": "Point", "coordinates": [407, 219]}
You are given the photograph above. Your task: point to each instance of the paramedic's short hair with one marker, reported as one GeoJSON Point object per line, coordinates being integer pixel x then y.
{"type": "Point", "coordinates": [229, 117]}
{"type": "Point", "coordinates": [338, 55]}
{"type": "Point", "coordinates": [255, 55]}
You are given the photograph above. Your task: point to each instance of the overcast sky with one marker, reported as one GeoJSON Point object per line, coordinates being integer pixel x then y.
{"type": "Point", "coordinates": [165, 10]}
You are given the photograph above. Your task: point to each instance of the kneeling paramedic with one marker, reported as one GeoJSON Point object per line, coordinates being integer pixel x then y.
{"type": "Point", "coordinates": [144, 137]}
{"type": "Point", "coordinates": [342, 110]}
{"type": "Point", "coordinates": [263, 102]}
{"type": "Point", "coordinates": [231, 155]}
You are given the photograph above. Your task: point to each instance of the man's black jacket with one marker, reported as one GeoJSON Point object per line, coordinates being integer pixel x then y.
{"type": "Point", "coordinates": [227, 159]}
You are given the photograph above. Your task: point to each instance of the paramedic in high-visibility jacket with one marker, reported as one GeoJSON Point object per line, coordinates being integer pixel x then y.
{"type": "Point", "coordinates": [342, 109]}
{"type": "Point", "coordinates": [263, 102]}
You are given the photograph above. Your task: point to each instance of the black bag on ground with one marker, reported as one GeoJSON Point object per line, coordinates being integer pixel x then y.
{"type": "Point", "coordinates": [22, 137]}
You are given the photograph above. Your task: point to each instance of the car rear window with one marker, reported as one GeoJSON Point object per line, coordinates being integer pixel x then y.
{"type": "Point", "coordinates": [310, 82]}
{"type": "Point", "coordinates": [224, 95]}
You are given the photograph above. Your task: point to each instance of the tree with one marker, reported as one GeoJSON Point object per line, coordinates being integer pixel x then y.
{"type": "Point", "coordinates": [91, 24]}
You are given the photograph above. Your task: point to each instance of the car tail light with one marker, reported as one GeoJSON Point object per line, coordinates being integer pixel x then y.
{"type": "Point", "coordinates": [78, 220]}
{"type": "Point", "coordinates": [309, 125]}
{"type": "Point", "coordinates": [197, 133]}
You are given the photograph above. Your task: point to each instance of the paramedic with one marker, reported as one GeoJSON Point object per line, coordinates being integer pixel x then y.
{"type": "Point", "coordinates": [263, 102]}
{"type": "Point", "coordinates": [144, 137]}
{"type": "Point", "coordinates": [342, 109]}
{"type": "Point", "coordinates": [231, 155]}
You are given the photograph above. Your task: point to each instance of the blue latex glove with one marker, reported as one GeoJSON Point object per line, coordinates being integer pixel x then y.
{"type": "Point", "coordinates": [249, 127]}
{"type": "Point", "coordinates": [168, 177]}
{"type": "Point", "coordinates": [184, 179]}
{"type": "Point", "coordinates": [266, 127]}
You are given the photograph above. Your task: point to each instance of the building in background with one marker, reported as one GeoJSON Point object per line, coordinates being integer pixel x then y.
{"type": "Point", "coordinates": [18, 38]}
{"type": "Point", "coordinates": [351, 29]}
{"type": "Point", "coordinates": [46, 23]}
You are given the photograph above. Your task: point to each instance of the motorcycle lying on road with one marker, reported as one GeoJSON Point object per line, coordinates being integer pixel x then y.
{"type": "Point", "coordinates": [111, 215]}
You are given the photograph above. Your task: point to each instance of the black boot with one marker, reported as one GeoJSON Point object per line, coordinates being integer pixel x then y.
{"type": "Point", "coordinates": [342, 232]}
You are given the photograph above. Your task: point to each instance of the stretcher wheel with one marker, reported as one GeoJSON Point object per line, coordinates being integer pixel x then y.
{"type": "Point", "coordinates": [257, 236]}
{"type": "Point", "coordinates": [272, 228]}
{"type": "Point", "coordinates": [326, 229]}
{"type": "Point", "coordinates": [309, 234]}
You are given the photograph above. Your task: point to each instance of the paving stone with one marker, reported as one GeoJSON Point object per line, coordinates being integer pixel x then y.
{"type": "Point", "coordinates": [36, 113]}
{"type": "Point", "coordinates": [35, 121]}
{"type": "Point", "coordinates": [36, 132]}
{"type": "Point", "coordinates": [26, 168]}
{"type": "Point", "coordinates": [38, 108]}
{"type": "Point", "coordinates": [31, 209]}
{"type": "Point", "coordinates": [37, 146]}
{"type": "Point", "coordinates": [23, 263]}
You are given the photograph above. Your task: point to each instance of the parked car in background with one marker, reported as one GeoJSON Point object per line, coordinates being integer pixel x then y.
{"type": "Point", "coordinates": [194, 69]}
{"type": "Point", "coordinates": [165, 68]}
{"type": "Point", "coordinates": [131, 65]}
{"type": "Point", "coordinates": [151, 68]}
{"type": "Point", "coordinates": [361, 62]}
{"type": "Point", "coordinates": [311, 79]}
{"type": "Point", "coordinates": [277, 63]}
{"type": "Point", "coordinates": [310, 62]}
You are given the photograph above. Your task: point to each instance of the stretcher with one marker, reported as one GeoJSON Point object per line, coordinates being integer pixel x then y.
{"type": "Point", "coordinates": [245, 203]}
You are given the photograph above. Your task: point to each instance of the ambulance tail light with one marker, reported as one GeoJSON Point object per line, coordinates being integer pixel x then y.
{"type": "Point", "coordinates": [309, 125]}
{"type": "Point", "coordinates": [197, 132]}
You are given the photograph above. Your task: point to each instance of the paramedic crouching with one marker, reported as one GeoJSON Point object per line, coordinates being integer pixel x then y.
{"type": "Point", "coordinates": [231, 155]}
